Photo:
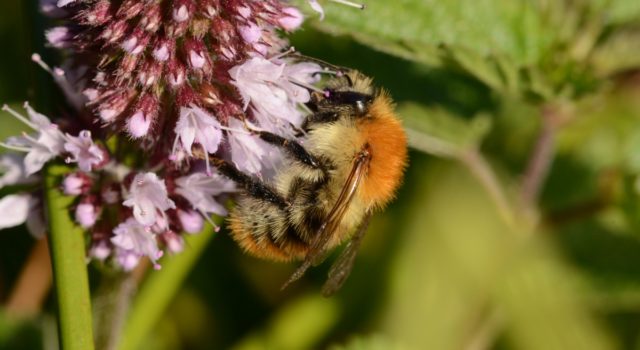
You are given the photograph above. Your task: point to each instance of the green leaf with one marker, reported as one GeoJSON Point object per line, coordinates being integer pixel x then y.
{"type": "Point", "coordinates": [518, 29]}
{"type": "Point", "coordinates": [618, 53]}
{"type": "Point", "coordinates": [618, 11]}
{"type": "Point", "coordinates": [490, 39]}
{"type": "Point", "coordinates": [439, 132]}
{"type": "Point", "coordinates": [159, 289]}
{"type": "Point", "coordinates": [67, 246]}
{"type": "Point", "coordinates": [370, 342]}
{"type": "Point", "coordinates": [605, 133]}
{"type": "Point", "coordinates": [301, 324]}
{"type": "Point", "coordinates": [462, 277]}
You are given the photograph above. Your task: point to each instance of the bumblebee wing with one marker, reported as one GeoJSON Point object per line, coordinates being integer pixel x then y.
{"type": "Point", "coordinates": [324, 234]}
{"type": "Point", "coordinates": [341, 268]}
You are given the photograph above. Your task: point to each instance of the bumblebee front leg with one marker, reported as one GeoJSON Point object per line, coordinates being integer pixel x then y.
{"type": "Point", "coordinates": [254, 187]}
{"type": "Point", "coordinates": [293, 148]}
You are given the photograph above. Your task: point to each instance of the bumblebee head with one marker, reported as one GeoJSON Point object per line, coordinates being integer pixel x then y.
{"type": "Point", "coordinates": [349, 94]}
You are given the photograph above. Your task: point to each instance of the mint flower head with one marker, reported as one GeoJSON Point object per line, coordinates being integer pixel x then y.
{"type": "Point", "coordinates": [156, 58]}
{"type": "Point", "coordinates": [154, 86]}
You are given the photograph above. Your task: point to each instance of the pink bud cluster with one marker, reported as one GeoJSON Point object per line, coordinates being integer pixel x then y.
{"type": "Point", "coordinates": [156, 57]}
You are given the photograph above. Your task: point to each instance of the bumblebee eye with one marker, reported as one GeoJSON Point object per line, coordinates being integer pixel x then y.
{"type": "Point", "coordinates": [360, 102]}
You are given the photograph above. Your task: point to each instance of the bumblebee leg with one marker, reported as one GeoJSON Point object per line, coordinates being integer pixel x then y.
{"type": "Point", "coordinates": [255, 188]}
{"type": "Point", "coordinates": [319, 118]}
{"type": "Point", "coordinates": [293, 148]}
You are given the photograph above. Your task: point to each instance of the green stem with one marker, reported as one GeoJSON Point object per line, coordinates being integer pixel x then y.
{"type": "Point", "coordinates": [67, 246]}
{"type": "Point", "coordinates": [159, 288]}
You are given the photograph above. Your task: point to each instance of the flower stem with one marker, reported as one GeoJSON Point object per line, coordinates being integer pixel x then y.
{"type": "Point", "coordinates": [67, 247]}
{"type": "Point", "coordinates": [159, 288]}
{"type": "Point", "coordinates": [541, 157]}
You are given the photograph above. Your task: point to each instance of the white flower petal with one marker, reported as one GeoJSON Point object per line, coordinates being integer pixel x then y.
{"type": "Point", "coordinates": [14, 210]}
{"type": "Point", "coordinates": [13, 171]}
{"type": "Point", "coordinates": [201, 189]}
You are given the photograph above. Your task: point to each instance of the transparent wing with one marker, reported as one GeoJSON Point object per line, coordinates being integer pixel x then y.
{"type": "Point", "coordinates": [335, 216]}
{"type": "Point", "coordinates": [341, 268]}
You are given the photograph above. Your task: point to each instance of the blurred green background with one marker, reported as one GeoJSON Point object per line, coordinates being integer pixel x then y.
{"type": "Point", "coordinates": [518, 224]}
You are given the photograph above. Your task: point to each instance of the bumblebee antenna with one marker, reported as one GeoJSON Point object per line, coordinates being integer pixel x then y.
{"type": "Point", "coordinates": [339, 71]}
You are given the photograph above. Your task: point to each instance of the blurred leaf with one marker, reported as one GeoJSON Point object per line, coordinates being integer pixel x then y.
{"type": "Point", "coordinates": [21, 333]}
{"type": "Point", "coordinates": [545, 304]}
{"type": "Point", "coordinates": [439, 132]}
{"type": "Point", "coordinates": [370, 342]}
{"type": "Point", "coordinates": [464, 277]}
{"type": "Point", "coordinates": [619, 52]}
{"type": "Point", "coordinates": [618, 11]}
{"type": "Point", "coordinates": [11, 126]}
{"type": "Point", "coordinates": [159, 289]}
{"type": "Point", "coordinates": [301, 324]}
{"type": "Point", "coordinates": [605, 131]}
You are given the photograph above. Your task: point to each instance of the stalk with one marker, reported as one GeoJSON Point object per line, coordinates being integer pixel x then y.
{"type": "Point", "coordinates": [67, 245]}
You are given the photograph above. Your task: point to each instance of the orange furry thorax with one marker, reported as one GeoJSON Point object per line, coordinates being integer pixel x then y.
{"type": "Point", "coordinates": [383, 132]}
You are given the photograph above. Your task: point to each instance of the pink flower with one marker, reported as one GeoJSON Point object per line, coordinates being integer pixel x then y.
{"type": "Point", "coordinates": [173, 241]}
{"type": "Point", "coordinates": [47, 144]}
{"type": "Point", "coordinates": [86, 215]}
{"type": "Point", "coordinates": [201, 189]}
{"type": "Point", "coordinates": [273, 92]}
{"type": "Point", "coordinates": [248, 152]}
{"type": "Point", "coordinates": [148, 197]}
{"type": "Point", "coordinates": [100, 250]}
{"type": "Point", "coordinates": [292, 18]}
{"type": "Point", "coordinates": [135, 241]}
{"type": "Point", "coordinates": [140, 122]}
{"type": "Point", "coordinates": [196, 125]}
{"type": "Point", "coordinates": [83, 151]}
{"type": "Point", "coordinates": [127, 259]}
{"type": "Point", "coordinates": [191, 221]}
{"type": "Point", "coordinates": [251, 33]}
{"type": "Point", "coordinates": [75, 184]}
{"type": "Point", "coordinates": [59, 37]}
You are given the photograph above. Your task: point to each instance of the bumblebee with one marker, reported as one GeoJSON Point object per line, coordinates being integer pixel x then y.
{"type": "Point", "coordinates": [352, 162]}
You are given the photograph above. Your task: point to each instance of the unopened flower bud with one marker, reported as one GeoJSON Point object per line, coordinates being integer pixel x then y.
{"type": "Point", "coordinates": [173, 241]}
{"type": "Point", "coordinates": [140, 122]}
{"type": "Point", "coordinates": [75, 184]}
{"type": "Point", "coordinates": [292, 18]}
{"type": "Point", "coordinates": [100, 250]}
{"type": "Point", "coordinates": [86, 214]}
{"type": "Point", "coordinates": [191, 221]}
